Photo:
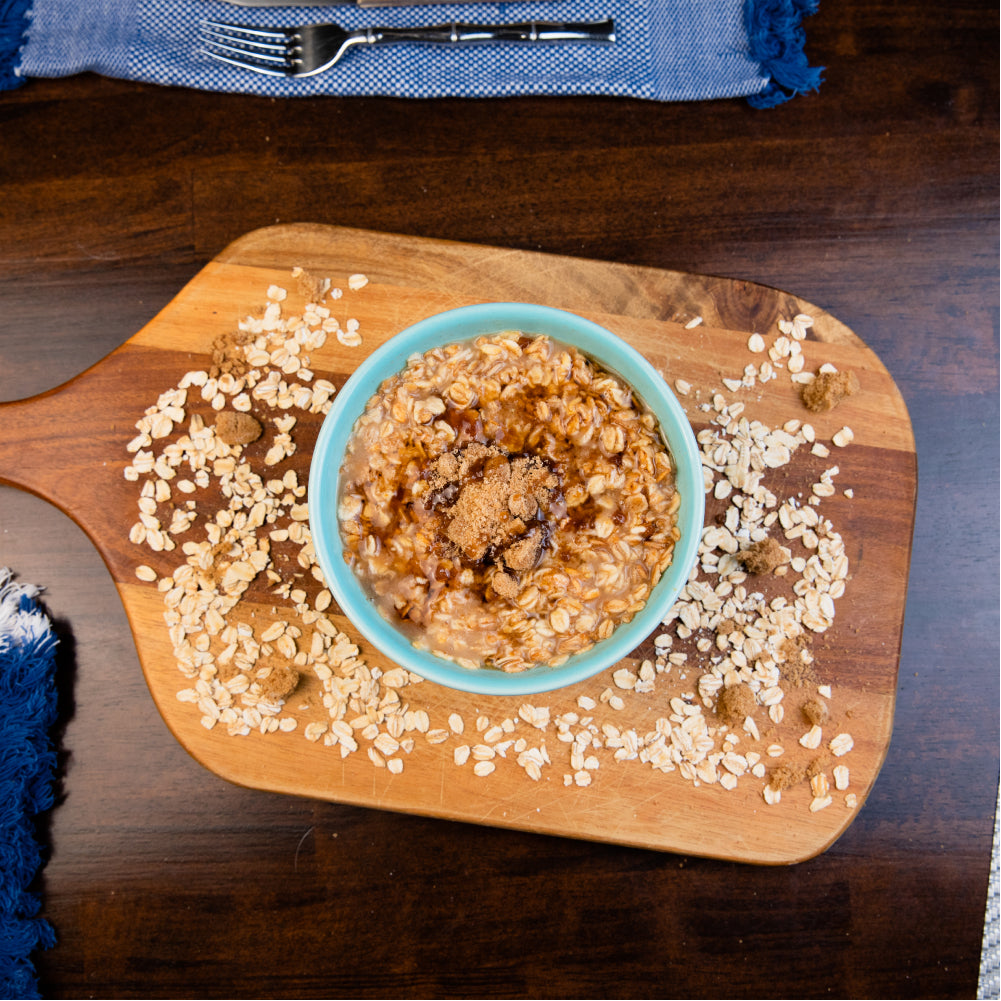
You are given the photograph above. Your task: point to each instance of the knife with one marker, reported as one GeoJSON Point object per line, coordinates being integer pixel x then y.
{"type": "Point", "coordinates": [335, 3]}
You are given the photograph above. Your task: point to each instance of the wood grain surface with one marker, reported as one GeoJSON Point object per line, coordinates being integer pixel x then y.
{"type": "Point", "coordinates": [875, 198]}
{"type": "Point", "coordinates": [69, 447]}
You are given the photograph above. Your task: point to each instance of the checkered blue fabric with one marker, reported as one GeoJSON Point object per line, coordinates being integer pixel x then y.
{"type": "Point", "coordinates": [668, 50]}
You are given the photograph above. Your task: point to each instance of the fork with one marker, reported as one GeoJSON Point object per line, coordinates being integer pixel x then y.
{"type": "Point", "coordinates": [313, 48]}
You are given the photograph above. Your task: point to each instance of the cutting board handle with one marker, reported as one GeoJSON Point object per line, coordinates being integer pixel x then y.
{"type": "Point", "coordinates": [64, 444]}
{"type": "Point", "coordinates": [35, 447]}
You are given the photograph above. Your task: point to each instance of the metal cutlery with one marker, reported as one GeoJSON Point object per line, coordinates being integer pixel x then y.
{"type": "Point", "coordinates": [311, 49]}
{"type": "Point", "coordinates": [338, 3]}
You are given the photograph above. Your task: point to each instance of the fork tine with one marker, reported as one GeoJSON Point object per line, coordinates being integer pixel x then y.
{"type": "Point", "coordinates": [244, 64]}
{"type": "Point", "coordinates": [265, 50]}
{"type": "Point", "coordinates": [262, 50]}
{"type": "Point", "coordinates": [275, 61]}
{"type": "Point", "coordinates": [240, 32]}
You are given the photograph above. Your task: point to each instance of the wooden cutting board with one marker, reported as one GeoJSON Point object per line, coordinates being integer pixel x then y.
{"type": "Point", "coordinates": [70, 447]}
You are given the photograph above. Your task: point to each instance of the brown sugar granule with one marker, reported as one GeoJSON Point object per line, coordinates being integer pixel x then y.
{"type": "Point", "coordinates": [280, 682]}
{"type": "Point", "coordinates": [735, 704]}
{"type": "Point", "coordinates": [797, 669]}
{"type": "Point", "coordinates": [505, 585]}
{"type": "Point", "coordinates": [763, 557]}
{"type": "Point", "coordinates": [236, 428]}
{"type": "Point", "coordinates": [312, 287]}
{"type": "Point", "coordinates": [726, 627]}
{"type": "Point", "coordinates": [228, 355]}
{"type": "Point", "coordinates": [815, 767]}
{"type": "Point", "coordinates": [789, 774]}
{"type": "Point", "coordinates": [786, 775]}
{"type": "Point", "coordinates": [523, 554]}
{"type": "Point", "coordinates": [815, 711]}
{"type": "Point", "coordinates": [828, 389]}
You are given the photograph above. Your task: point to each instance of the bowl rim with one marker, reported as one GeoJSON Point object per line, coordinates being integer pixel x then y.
{"type": "Point", "coordinates": [465, 323]}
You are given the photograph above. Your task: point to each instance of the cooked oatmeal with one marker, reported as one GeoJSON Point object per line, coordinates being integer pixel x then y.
{"type": "Point", "coordinates": [506, 502]}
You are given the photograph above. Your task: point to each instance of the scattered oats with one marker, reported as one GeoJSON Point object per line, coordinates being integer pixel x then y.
{"type": "Point", "coordinates": [841, 777]}
{"type": "Point", "coordinates": [397, 677]}
{"type": "Point", "coordinates": [693, 323]}
{"type": "Point", "coordinates": [756, 343]}
{"type": "Point", "coordinates": [483, 768]}
{"type": "Point", "coordinates": [820, 803]}
{"type": "Point", "coordinates": [624, 679]}
{"type": "Point", "coordinates": [356, 282]}
{"type": "Point", "coordinates": [841, 744]}
{"type": "Point", "coordinates": [683, 388]}
{"type": "Point", "coordinates": [461, 754]}
{"type": "Point", "coordinates": [314, 731]}
{"type": "Point", "coordinates": [145, 573]}
{"type": "Point", "coordinates": [395, 765]}
{"type": "Point", "coordinates": [851, 801]}
{"type": "Point", "coordinates": [386, 744]}
{"type": "Point", "coordinates": [772, 796]}
{"type": "Point", "coordinates": [456, 723]}
{"type": "Point", "coordinates": [843, 437]}
{"type": "Point", "coordinates": [811, 739]}
{"type": "Point", "coordinates": [349, 336]}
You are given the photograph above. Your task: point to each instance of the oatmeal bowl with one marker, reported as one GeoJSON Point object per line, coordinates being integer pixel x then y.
{"type": "Point", "coordinates": [505, 499]}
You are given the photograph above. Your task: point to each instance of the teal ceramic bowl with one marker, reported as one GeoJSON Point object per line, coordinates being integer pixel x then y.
{"type": "Point", "coordinates": [463, 324]}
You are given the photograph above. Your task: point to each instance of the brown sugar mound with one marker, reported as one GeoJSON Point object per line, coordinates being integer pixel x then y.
{"type": "Point", "coordinates": [763, 557]}
{"type": "Point", "coordinates": [828, 389]}
{"type": "Point", "coordinates": [497, 498]}
{"type": "Point", "coordinates": [735, 704]}
{"type": "Point", "coordinates": [236, 428]}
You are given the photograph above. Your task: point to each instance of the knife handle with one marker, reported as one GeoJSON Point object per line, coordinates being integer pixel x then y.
{"type": "Point", "coordinates": [457, 33]}
{"type": "Point", "coordinates": [390, 3]}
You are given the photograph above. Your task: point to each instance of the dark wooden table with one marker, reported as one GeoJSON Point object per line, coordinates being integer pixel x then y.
{"type": "Point", "coordinates": [875, 198]}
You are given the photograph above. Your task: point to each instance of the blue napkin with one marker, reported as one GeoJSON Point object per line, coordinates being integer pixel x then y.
{"type": "Point", "coordinates": [28, 710]}
{"type": "Point", "coordinates": [666, 50]}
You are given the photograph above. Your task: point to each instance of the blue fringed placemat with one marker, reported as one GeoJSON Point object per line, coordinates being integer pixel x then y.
{"type": "Point", "coordinates": [665, 50]}
{"type": "Point", "coordinates": [28, 709]}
